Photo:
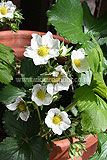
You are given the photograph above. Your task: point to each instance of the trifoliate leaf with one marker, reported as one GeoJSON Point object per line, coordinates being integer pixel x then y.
{"type": "Point", "coordinates": [68, 20]}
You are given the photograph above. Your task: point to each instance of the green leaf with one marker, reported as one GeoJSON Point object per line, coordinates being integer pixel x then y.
{"type": "Point", "coordinates": [102, 138]}
{"type": "Point", "coordinates": [93, 110]}
{"type": "Point", "coordinates": [6, 73]}
{"type": "Point", "coordinates": [94, 156]}
{"type": "Point", "coordinates": [67, 16]}
{"type": "Point", "coordinates": [103, 44]}
{"type": "Point", "coordinates": [95, 26]}
{"type": "Point", "coordinates": [102, 41]}
{"type": "Point", "coordinates": [19, 128]}
{"type": "Point", "coordinates": [6, 64]}
{"type": "Point", "coordinates": [101, 153]}
{"type": "Point", "coordinates": [6, 54]}
{"type": "Point", "coordinates": [93, 55]}
{"type": "Point", "coordinates": [13, 149]}
{"type": "Point", "coordinates": [93, 60]}
{"type": "Point", "coordinates": [9, 94]}
{"type": "Point", "coordinates": [30, 72]}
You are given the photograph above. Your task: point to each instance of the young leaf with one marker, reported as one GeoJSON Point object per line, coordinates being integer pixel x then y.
{"type": "Point", "coordinates": [68, 22]}
{"type": "Point", "coordinates": [93, 110]}
{"type": "Point", "coordinates": [6, 64]}
{"type": "Point", "coordinates": [9, 94]}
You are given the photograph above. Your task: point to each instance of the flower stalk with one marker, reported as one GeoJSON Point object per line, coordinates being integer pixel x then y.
{"type": "Point", "coordinates": [37, 108]}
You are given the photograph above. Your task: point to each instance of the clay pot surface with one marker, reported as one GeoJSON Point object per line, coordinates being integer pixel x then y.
{"type": "Point", "coordinates": [18, 41]}
{"type": "Point", "coordinates": [60, 149]}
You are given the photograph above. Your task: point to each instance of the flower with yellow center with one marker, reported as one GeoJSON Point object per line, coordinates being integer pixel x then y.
{"type": "Point", "coordinates": [40, 95]}
{"type": "Point", "coordinates": [21, 106]}
{"type": "Point", "coordinates": [57, 120]}
{"type": "Point", "coordinates": [7, 9]}
{"type": "Point", "coordinates": [42, 48]}
{"type": "Point", "coordinates": [58, 81]}
{"type": "Point", "coordinates": [79, 60]}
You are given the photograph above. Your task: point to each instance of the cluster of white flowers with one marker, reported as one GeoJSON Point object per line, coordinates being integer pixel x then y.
{"type": "Point", "coordinates": [7, 10]}
{"type": "Point", "coordinates": [41, 50]}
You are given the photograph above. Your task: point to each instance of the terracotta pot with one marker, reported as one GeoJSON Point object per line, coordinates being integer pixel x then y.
{"type": "Point", "coordinates": [17, 41]}
{"type": "Point", "coordinates": [60, 149]}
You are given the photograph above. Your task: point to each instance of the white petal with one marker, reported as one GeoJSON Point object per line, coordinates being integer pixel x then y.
{"type": "Point", "coordinates": [64, 126]}
{"type": "Point", "coordinates": [54, 53]}
{"type": "Point", "coordinates": [50, 89]}
{"type": "Point", "coordinates": [64, 114]}
{"type": "Point", "coordinates": [29, 52]}
{"type": "Point", "coordinates": [36, 88]}
{"type": "Point", "coordinates": [24, 115]}
{"type": "Point", "coordinates": [53, 111]}
{"type": "Point", "coordinates": [65, 81]}
{"type": "Point", "coordinates": [47, 100]}
{"type": "Point", "coordinates": [60, 69]}
{"type": "Point", "coordinates": [59, 87]}
{"type": "Point", "coordinates": [12, 106]}
{"type": "Point", "coordinates": [48, 121]}
{"type": "Point", "coordinates": [36, 41]}
{"type": "Point", "coordinates": [36, 100]}
{"type": "Point", "coordinates": [19, 99]}
{"type": "Point", "coordinates": [40, 60]}
{"type": "Point", "coordinates": [46, 38]}
{"type": "Point", "coordinates": [57, 130]}
{"type": "Point", "coordinates": [55, 74]}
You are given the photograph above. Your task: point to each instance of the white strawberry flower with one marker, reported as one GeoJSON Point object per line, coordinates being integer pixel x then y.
{"type": "Point", "coordinates": [79, 60]}
{"type": "Point", "coordinates": [7, 9]}
{"type": "Point", "coordinates": [58, 81]}
{"type": "Point", "coordinates": [20, 104]}
{"type": "Point", "coordinates": [40, 95]}
{"type": "Point", "coordinates": [57, 120]}
{"type": "Point", "coordinates": [42, 48]}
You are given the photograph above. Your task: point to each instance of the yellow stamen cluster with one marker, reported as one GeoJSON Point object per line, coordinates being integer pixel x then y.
{"type": "Point", "coordinates": [22, 106]}
{"type": "Point", "coordinates": [3, 10]}
{"type": "Point", "coordinates": [43, 51]}
{"type": "Point", "coordinates": [57, 119]}
{"type": "Point", "coordinates": [77, 63]}
{"type": "Point", "coordinates": [41, 94]}
{"type": "Point", "coordinates": [56, 79]}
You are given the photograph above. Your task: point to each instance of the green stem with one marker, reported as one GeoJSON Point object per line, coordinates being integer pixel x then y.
{"type": "Point", "coordinates": [67, 137]}
{"type": "Point", "coordinates": [52, 61]}
{"type": "Point", "coordinates": [37, 108]}
{"type": "Point", "coordinates": [69, 107]}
